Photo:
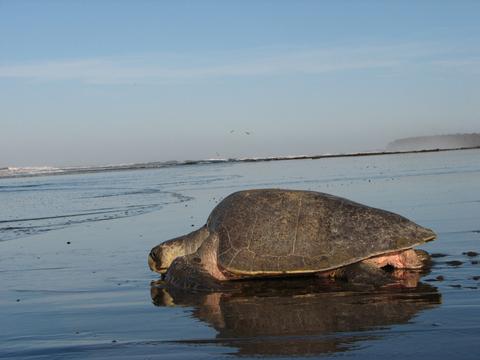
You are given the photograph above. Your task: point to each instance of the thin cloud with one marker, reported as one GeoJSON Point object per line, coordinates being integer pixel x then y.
{"type": "Point", "coordinates": [471, 65]}
{"type": "Point", "coordinates": [158, 67]}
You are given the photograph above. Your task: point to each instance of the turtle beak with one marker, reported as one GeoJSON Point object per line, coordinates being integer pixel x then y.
{"type": "Point", "coordinates": [152, 263]}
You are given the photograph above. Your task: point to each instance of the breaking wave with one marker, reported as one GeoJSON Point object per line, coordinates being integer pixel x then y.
{"type": "Point", "coordinates": [8, 172]}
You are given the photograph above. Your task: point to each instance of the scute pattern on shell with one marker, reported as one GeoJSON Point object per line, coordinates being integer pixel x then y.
{"type": "Point", "coordinates": [287, 231]}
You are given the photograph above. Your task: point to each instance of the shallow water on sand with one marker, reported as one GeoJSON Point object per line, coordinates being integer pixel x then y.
{"type": "Point", "coordinates": [75, 282]}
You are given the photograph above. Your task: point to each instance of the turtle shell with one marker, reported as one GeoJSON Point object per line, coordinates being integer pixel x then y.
{"type": "Point", "coordinates": [273, 231]}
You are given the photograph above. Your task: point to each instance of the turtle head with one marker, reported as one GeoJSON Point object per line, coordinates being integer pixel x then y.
{"type": "Point", "coordinates": [162, 256]}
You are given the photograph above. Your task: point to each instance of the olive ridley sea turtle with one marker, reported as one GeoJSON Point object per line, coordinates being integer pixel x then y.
{"type": "Point", "coordinates": [274, 232]}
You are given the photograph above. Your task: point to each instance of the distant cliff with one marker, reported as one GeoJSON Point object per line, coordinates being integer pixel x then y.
{"type": "Point", "coordinates": [435, 142]}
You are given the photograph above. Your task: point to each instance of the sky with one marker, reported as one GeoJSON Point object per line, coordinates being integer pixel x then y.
{"type": "Point", "coordinates": [109, 82]}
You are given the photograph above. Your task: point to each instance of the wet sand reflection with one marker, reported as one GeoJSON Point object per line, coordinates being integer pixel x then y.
{"type": "Point", "coordinates": [306, 316]}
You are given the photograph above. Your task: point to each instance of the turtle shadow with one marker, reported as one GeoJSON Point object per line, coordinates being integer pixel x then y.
{"type": "Point", "coordinates": [298, 316]}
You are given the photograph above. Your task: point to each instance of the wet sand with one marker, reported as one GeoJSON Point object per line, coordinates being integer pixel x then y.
{"type": "Point", "coordinates": [75, 282]}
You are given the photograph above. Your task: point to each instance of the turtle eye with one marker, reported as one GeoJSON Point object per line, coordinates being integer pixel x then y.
{"type": "Point", "coordinates": [153, 256]}
{"type": "Point", "coordinates": [197, 260]}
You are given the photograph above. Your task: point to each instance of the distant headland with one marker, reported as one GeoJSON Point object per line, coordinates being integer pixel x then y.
{"type": "Point", "coordinates": [452, 141]}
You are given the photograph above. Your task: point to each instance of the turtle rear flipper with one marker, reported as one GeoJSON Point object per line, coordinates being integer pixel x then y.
{"type": "Point", "coordinates": [364, 274]}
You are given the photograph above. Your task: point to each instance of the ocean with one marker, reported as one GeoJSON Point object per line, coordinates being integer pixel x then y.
{"type": "Point", "coordinates": [75, 280]}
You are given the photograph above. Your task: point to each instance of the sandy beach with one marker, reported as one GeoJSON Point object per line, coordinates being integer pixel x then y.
{"type": "Point", "coordinates": [76, 285]}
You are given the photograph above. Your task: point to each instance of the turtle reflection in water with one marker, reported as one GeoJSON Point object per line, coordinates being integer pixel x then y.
{"type": "Point", "coordinates": [273, 232]}
{"type": "Point", "coordinates": [298, 316]}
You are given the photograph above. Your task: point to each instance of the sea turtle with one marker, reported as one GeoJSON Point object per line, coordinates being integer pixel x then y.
{"type": "Point", "coordinates": [275, 232]}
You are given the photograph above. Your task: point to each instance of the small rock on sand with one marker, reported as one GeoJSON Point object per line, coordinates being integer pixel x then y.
{"type": "Point", "coordinates": [437, 255]}
{"type": "Point", "coordinates": [438, 278]}
{"type": "Point", "coordinates": [454, 263]}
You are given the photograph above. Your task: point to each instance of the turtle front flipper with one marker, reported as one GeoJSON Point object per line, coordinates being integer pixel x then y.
{"type": "Point", "coordinates": [198, 271]}
{"type": "Point", "coordinates": [187, 273]}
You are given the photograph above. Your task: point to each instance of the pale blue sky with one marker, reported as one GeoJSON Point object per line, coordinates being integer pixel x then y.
{"type": "Point", "coordinates": [96, 82]}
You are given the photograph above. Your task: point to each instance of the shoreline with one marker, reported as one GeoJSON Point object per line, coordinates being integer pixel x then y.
{"type": "Point", "coordinates": [49, 171]}
{"type": "Point", "coordinates": [90, 276]}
